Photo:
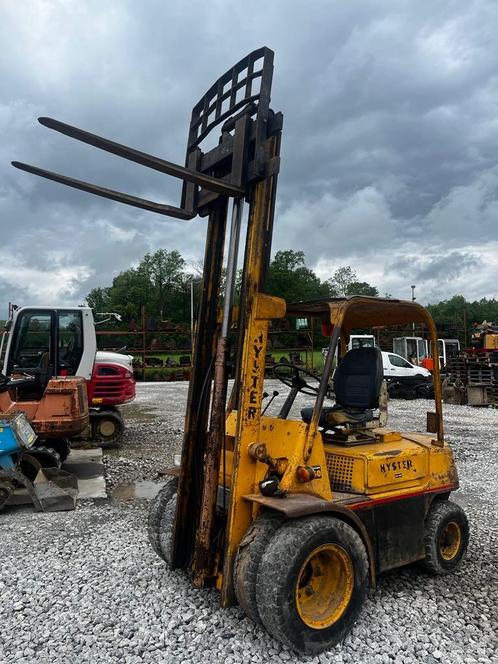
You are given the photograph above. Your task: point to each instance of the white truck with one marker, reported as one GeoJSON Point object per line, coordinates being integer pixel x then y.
{"type": "Point", "coordinates": [355, 341]}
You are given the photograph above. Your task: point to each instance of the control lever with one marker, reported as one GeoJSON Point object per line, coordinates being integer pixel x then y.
{"type": "Point", "coordinates": [265, 394]}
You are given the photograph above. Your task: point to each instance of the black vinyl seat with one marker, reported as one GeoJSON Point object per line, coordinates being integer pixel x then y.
{"type": "Point", "coordinates": [357, 383]}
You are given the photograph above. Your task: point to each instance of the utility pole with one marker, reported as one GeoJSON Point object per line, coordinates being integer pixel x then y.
{"type": "Point", "coordinates": [192, 315]}
{"type": "Point", "coordinates": [465, 325]}
{"type": "Point", "coordinates": [413, 300]}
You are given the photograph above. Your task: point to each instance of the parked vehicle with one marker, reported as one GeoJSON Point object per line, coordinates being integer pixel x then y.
{"type": "Point", "coordinates": [361, 341]}
{"type": "Point", "coordinates": [404, 379]}
{"type": "Point", "coordinates": [355, 341]}
{"type": "Point", "coordinates": [26, 463]}
{"type": "Point", "coordinates": [396, 366]}
{"type": "Point", "coordinates": [45, 342]}
{"type": "Point", "coordinates": [413, 349]}
{"type": "Point", "coordinates": [448, 349]}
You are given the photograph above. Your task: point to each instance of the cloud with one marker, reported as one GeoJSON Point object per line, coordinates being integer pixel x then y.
{"type": "Point", "coordinates": [357, 223]}
{"type": "Point", "coordinates": [469, 210]}
{"type": "Point", "coordinates": [442, 268]}
{"type": "Point", "coordinates": [19, 279]}
{"type": "Point", "coordinates": [389, 153]}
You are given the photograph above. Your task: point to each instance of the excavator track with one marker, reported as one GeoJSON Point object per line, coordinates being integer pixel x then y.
{"type": "Point", "coordinates": [31, 461]}
{"type": "Point", "coordinates": [15, 477]}
{"type": "Point", "coordinates": [6, 489]}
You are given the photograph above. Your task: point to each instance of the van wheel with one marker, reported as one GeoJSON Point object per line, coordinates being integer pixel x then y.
{"type": "Point", "coordinates": [312, 582]}
{"type": "Point", "coordinates": [446, 537]}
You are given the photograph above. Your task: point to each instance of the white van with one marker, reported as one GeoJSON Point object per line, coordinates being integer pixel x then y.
{"type": "Point", "coordinates": [396, 366]}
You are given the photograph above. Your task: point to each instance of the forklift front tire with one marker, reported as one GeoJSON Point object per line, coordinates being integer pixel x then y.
{"type": "Point", "coordinates": [248, 558]}
{"type": "Point", "coordinates": [166, 530]}
{"type": "Point", "coordinates": [157, 510]}
{"type": "Point", "coordinates": [446, 537]}
{"type": "Point", "coordinates": [312, 582]}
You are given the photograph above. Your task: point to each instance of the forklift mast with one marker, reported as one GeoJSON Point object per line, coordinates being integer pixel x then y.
{"type": "Point", "coordinates": [244, 165]}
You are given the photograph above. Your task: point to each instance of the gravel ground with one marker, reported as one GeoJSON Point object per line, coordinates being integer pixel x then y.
{"type": "Point", "coordinates": [85, 586]}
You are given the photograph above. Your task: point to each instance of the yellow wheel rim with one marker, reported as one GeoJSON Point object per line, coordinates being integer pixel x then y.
{"type": "Point", "coordinates": [107, 428]}
{"type": "Point", "coordinates": [450, 541]}
{"type": "Point", "coordinates": [324, 586]}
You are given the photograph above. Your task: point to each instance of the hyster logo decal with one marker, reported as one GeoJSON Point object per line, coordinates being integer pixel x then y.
{"type": "Point", "coordinates": [256, 370]}
{"type": "Point", "coordinates": [406, 464]}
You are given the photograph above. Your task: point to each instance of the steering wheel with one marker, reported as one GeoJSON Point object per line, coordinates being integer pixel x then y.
{"type": "Point", "coordinates": [292, 375]}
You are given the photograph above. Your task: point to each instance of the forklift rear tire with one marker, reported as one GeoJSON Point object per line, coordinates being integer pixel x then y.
{"type": "Point", "coordinates": [107, 428]}
{"type": "Point", "coordinates": [156, 512]}
{"type": "Point", "coordinates": [312, 582]}
{"type": "Point", "coordinates": [446, 537]}
{"type": "Point", "coordinates": [248, 558]}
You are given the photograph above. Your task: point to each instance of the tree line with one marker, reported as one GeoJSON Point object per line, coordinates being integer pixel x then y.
{"type": "Point", "coordinates": [162, 282]}
{"type": "Point", "coordinates": [464, 314]}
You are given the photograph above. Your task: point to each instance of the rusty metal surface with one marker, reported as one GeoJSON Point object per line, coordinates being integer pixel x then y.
{"type": "Point", "coordinates": [234, 90]}
{"type": "Point", "coordinates": [144, 159]}
{"type": "Point", "coordinates": [299, 504]}
{"type": "Point", "coordinates": [203, 551]}
{"type": "Point", "coordinates": [431, 422]}
{"type": "Point", "coordinates": [245, 163]}
{"type": "Point", "coordinates": [196, 419]}
{"type": "Point", "coordinates": [61, 412]}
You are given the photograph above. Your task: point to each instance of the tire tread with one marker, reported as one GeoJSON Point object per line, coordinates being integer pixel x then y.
{"type": "Point", "coordinates": [156, 511]}
{"type": "Point", "coordinates": [437, 513]}
{"type": "Point", "coordinates": [279, 557]}
{"type": "Point", "coordinates": [248, 558]}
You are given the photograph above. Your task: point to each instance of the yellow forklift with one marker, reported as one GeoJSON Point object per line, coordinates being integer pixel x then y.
{"type": "Point", "coordinates": [292, 518]}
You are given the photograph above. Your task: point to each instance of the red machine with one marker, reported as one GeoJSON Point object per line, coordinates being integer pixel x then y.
{"type": "Point", "coordinates": [45, 342]}
{"type": "Point", "coordinates": [112, 384]}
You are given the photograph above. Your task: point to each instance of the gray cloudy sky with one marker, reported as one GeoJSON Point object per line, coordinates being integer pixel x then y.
{"type": "Point", "coordinates": [390, 148]}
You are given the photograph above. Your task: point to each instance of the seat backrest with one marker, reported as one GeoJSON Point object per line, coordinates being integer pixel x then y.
{"type": "Point", "coordinates": [358, 378]}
